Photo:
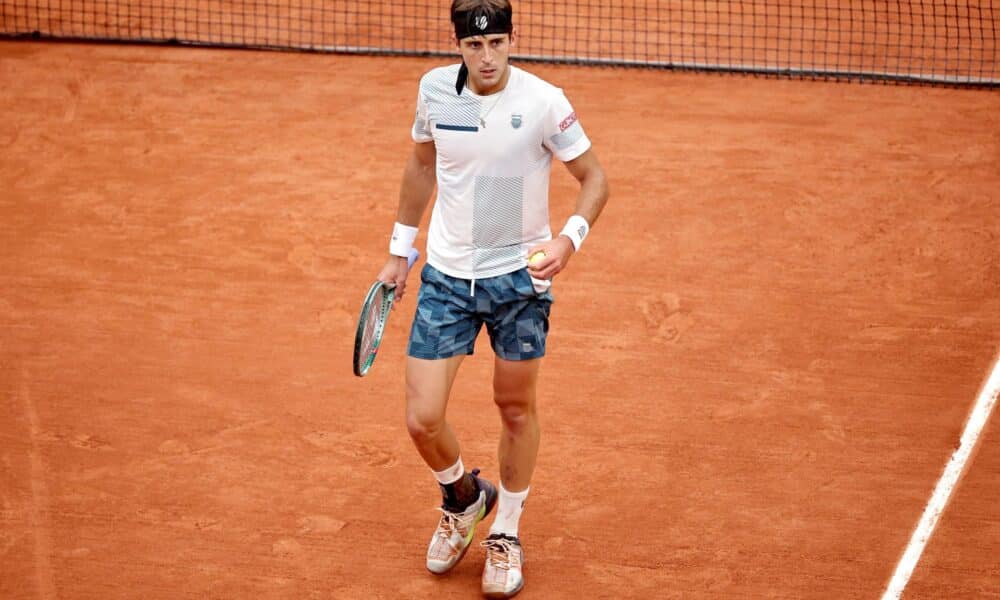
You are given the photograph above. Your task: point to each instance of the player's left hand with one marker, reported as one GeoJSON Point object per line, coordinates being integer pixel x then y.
{"type": "Point", "coordinates": [557, 251]}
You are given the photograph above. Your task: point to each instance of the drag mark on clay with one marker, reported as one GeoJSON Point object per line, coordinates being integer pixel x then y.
{"type": "Point", "coordinates": [39, 499]}
{"type": "Point", "coordinates": [356, 451]}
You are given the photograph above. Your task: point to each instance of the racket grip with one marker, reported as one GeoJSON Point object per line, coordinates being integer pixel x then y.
{"type": "Point", "coordinates": [412, 258]}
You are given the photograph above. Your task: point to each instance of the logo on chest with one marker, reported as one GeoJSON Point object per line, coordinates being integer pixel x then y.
{"type": "Point", "coordinates": [515, 121]}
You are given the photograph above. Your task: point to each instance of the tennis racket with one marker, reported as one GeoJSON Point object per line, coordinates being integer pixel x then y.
{"type": "Point", "coordinates": [371, 323]}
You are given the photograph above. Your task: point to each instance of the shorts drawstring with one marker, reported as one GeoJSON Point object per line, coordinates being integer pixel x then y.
{"type": "Point", "coordinates": [472, 287]}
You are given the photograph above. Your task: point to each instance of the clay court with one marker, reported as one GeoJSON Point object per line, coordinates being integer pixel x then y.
{"type": "Point", "coordinates": [758, 368]}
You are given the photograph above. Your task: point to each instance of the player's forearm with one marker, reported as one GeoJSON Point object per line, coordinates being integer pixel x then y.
{"type": "Point", "coordinates": [415, 191]}
{"type": "Point", "coordinates": [593, 196]}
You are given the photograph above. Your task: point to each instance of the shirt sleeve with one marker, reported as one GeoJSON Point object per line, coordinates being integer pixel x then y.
{"type": "Point", "coordinates": [564, 135]}
{"type": "Point", "coordinates": [421, 125]}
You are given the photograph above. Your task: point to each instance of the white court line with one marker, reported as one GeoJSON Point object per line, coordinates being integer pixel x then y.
{"type": "Point", "coordinates": [977, 420]}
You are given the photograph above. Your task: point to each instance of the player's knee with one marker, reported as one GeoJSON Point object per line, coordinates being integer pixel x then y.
{"type": "Point", "coordinates": [423, 427]}
{"type": "Point", "coordinates": [516, 415]}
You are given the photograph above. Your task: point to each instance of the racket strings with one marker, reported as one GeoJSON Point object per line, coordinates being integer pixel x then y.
{"type": "Point", "coordinates": [371, 326]}
{"type": "Point", "coordinates": [373, 323]}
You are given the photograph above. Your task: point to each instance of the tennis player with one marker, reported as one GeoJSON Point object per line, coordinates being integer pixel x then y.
{"type": "Point", "coordinates": [485, 134]}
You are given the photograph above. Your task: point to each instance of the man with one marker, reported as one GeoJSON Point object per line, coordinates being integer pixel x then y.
{"type": "Point", "coordinates": [485, 134]}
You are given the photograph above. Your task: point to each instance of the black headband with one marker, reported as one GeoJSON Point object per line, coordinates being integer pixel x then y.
{"type": "Point", "coordinates": [479, 21]}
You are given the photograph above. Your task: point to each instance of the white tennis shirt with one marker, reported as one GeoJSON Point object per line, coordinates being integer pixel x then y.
{"type": "Point", "coordinates": [493, 180]}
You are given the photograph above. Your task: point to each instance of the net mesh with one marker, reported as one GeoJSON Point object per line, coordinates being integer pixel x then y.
{"type": "Point", "coordinates": [915, 41]}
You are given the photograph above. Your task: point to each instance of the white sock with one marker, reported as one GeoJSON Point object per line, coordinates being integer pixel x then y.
{"type": "Point", "coordinates": [509, 509]}
{"type": "Point", "coordinates": [451, 474]}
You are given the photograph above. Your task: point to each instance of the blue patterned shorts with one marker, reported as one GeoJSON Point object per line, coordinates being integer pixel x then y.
{"type": "Point", "coordinates": [449, 316]}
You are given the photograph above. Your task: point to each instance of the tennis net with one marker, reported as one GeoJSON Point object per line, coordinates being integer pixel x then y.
{"type": "Point", "coordinates": [949, 42]}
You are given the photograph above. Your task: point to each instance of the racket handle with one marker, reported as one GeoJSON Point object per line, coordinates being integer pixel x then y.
{"type": "Point", "coordinates": [412, 258]}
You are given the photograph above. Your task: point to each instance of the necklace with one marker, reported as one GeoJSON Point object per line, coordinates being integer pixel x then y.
{"type": "Point", "coordinates": [482, 117]}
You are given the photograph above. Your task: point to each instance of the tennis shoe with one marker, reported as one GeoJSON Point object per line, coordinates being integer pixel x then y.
{"type": "Point", "coordinates": [502, 576]}
{"type": "Point", "coordinates": [455, 530]}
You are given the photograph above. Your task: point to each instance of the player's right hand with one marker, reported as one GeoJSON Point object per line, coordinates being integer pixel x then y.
{"type": "Point", "coordinates": [394, 273]}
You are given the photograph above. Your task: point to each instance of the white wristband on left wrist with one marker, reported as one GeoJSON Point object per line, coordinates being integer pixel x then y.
{"type": "Point", "coordinates": [576, 229]}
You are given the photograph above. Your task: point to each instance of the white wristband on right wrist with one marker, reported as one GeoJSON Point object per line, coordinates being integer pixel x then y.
{"type": "Point", "coordinates": [576, 230]}
{"type": "Point", "coordinates": [402, 240]}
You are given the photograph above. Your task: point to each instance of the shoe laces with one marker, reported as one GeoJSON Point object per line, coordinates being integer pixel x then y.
{"type": "Point", "coordinates": [455, 522]}
{"type": "Point", "coordinates": [499, 551]}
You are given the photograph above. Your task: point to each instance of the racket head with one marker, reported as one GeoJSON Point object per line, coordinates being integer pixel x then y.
{"type": "Point", "coordinates": [371, 326]}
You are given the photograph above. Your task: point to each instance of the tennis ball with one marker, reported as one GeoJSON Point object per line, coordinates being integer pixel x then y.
{"type": "Point", "coordinates": [536, 257]}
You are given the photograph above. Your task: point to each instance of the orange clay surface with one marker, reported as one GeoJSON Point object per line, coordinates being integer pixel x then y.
{"type": "Point", "coordinates": [758, 365]}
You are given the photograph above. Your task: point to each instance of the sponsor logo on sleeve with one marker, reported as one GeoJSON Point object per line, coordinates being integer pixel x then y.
{"type": "Point", "coordinates": [568, 121]}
